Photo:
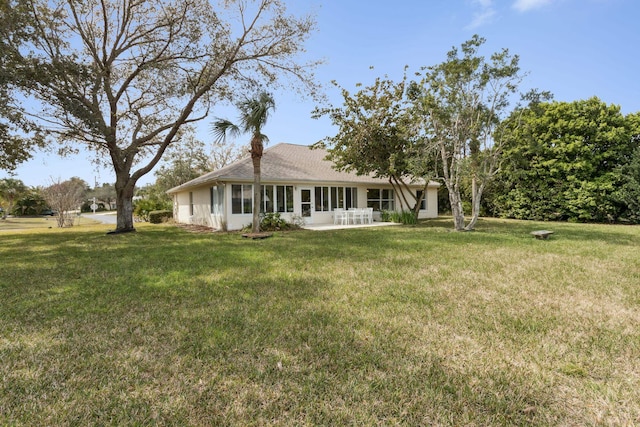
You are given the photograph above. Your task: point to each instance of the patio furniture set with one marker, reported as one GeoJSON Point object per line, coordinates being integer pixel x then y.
{"type": "Point", "coordinates": [353, 216]}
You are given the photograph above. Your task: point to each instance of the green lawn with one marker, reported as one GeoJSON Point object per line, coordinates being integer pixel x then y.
{"type": "Point", "coordinates": [27, 223]}
{"type": "Point", "coordinates": [379, 326]}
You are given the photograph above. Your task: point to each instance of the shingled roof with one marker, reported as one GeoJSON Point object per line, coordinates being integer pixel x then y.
{"type": "Point", "coordinates": [283, 163]}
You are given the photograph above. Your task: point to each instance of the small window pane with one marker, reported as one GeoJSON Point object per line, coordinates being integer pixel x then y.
{"type": "Point", "coordinates": [280, 198]}
{"type": "Point", "coordinates": [289, 198]}
{"type": "Point", "coordinates": [268, 199]}
{"type": "Point", "coordinates": [247, 199]}
{"type": "Point", "coordinates": [236, 199]}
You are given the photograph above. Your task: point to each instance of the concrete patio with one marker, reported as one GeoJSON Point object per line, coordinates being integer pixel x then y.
{"type": "Point", "coordinates": [326, 227]}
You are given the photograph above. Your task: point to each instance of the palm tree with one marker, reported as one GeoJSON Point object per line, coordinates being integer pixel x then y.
{"type": "Point", "coordinates": [254, 113]}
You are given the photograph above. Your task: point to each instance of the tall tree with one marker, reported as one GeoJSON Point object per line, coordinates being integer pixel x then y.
{"type": "Point", "coordinates": [124, 76]}
{"type": "Point", "coordinates": [254, 113]}
{"type": "Point", "coordinates": [460, 102]}
{"type": "Point", "coordinates": [377, 135]}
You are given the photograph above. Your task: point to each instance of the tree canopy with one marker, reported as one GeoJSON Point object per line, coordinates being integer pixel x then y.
{"type": "Point", "coordinates": [461, 101]}
{"type": "Point", "coordinates": [564, 160]}
{"type": "Point", "coordinates": [123, 77]}
{"type": "Point", "coordinates": [377, 135]}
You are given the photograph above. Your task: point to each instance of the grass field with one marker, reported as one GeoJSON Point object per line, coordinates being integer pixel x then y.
{"type": "Point", "coordinates": [26, 223]}
{"type": "Point", "coordinates": [381, 326]}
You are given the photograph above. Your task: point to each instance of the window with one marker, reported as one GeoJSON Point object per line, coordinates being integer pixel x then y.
{"type": "Point", "coordinates": [330, 198]}
{"type": "Point", "coordinates": [351, 197]}
{"type": "Point", "coordinates": [268, 198]}
{"type": "Point", "coordinates": [322, 199]}
{"type": "Point", "coordinates": [241, 199]}
{"type": "Point", "coordinates": [344, 197]}
{"type": "Point", "coordinates": [217, 200]}
{"type": "Point", "coordinates": [277, 198]}
{"type": "Point", "coordinates": [337, 197]}
{"type": "Point", "coordinates": [423, 202]}
{"type": "Point", "coordinates": [380, 199]}
{"type": "Point", "coordinates": [191, 203]}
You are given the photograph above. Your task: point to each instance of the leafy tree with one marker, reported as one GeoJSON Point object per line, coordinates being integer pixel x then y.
{"type": "Point", "coordinates": [460, 102]}
{"type": "Point", "coordinates": [254, 113]}
{"type": "Point", "coordinates": [124, 77]}
{"type": "Point", "coordinates": [30, 202]}
{"type": "Point", "coordinates": [629, 192]}
{"type": "Point", "coordinates": [18, 136]}
{"type": "Point", "coordinates": [183, 163]}
{"type": "Point", "coordinates": [563, 161]}
{"type": "Point", "coordinates": [64, 197]}
{"type": "Point", "coordinates": [11, 190]}
{"type": "Point", "coordinates": [377, 135]}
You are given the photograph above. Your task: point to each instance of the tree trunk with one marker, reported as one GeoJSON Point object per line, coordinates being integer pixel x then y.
{"type": "Point", "coordinates": [476, 197]}
{"type": "Point", "coordinates": [124, 203]}
{"type": "Point", "coordinates": [257, 199]}
{"type": "Point", "coordinates": [257, 147]}
{"type": "Point", "coordinates": [456, 209]}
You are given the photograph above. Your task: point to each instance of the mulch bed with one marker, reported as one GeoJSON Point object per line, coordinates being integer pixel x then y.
{"type": "Point", "coordinates": [194, 228]}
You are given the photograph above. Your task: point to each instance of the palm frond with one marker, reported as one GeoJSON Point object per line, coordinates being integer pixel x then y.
{"type": "Point", "coordinates": [220, 128]}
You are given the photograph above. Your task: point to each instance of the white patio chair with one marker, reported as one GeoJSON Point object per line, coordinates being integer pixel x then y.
{"type": "Point", "coordinates": [339, 216]}
{"type": "Point", "coordinates": [357, 215]}
{"type": "Point", "coordinates": [368, 215]}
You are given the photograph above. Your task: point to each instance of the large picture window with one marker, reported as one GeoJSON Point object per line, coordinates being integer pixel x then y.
{"type": "Point", "coordinates": [380, 199]}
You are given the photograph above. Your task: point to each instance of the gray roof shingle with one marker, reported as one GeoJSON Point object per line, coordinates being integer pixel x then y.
{"type": "Point", "coordinates": [283, 163]}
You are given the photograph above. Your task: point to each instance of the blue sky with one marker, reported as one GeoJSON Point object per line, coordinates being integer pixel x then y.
{"type": "Point", "coordinates": [575, 49]}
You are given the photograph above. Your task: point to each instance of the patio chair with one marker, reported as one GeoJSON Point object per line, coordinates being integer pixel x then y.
{"type": "Point", "coordinates": [358, 215]}
{"type": "Point", "coordinates": [339, 216]}
{"type": "Point", "coordinates": [368, 215]}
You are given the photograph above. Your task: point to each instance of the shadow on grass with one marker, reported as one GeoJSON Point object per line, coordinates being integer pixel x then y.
{"type": "Point", "coordinates": [213, 329]}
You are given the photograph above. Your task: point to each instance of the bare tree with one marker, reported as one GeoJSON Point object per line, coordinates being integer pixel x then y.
{"type": "Point", "coordinates": [65, 197]}
{"type": "Point", "coordinates": [124, 76]}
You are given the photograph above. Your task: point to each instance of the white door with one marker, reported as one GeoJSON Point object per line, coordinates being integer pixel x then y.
{"type": "Point", "coordinates": [306, 205]}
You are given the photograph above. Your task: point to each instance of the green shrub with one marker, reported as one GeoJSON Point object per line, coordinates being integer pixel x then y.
{"type": "Point", "coordinates": [274, 222]}
{"type": "Point", "coordinates": [404, 217]}
{"type": "Point", "coordinates": [158, 217]}
{"type": "Point", "coordinates": [142, 207]}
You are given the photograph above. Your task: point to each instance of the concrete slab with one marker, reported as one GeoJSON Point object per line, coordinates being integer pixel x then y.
{"type": "Point", "coordinates": [326, 227]}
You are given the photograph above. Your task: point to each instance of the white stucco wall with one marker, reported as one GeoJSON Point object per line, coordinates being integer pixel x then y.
{"type": "Point", "coordinates": [202, 206]}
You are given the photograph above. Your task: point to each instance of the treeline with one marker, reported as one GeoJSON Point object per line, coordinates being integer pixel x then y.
{"type": "Point", "coordinates": [569, 161]}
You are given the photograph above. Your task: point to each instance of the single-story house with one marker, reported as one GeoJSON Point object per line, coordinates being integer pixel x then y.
{"type": "Point", "coordinates": [298, 182]}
